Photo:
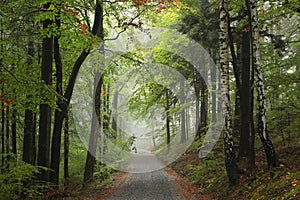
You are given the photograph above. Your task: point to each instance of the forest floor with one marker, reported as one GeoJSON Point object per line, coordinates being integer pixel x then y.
{"type": "Point", "coordinates": [261, 183]}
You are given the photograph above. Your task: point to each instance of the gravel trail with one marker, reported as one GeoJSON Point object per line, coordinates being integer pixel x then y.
{"type": "Point", "coordinates": [142, 182]}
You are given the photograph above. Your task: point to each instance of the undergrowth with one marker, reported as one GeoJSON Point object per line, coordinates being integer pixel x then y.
{"type": "Point", "coordinates": [260, 183]}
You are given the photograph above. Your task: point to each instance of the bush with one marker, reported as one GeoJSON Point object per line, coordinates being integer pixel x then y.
{"type": "Point", "coordinates": [17, 181]}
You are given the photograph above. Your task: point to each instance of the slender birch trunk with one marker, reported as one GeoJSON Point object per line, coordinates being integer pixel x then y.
{"type": "Point", "coordinates": [230, 160]}
{"type": "Point", "coordinates": [261, 97]}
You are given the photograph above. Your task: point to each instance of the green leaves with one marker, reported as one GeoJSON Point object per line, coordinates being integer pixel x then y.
{"type": "Point", "coordinates": [19, 182]}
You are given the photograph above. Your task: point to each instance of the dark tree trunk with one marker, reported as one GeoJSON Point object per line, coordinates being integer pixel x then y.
{"type": "Point", "coordinates": [182, 113]}
{"type": "Point", "coordinates": [45, 110]}
{"type": "Point", "coordinates": [244, 150]}
{"type": "Point", "coordinates": [237, 115]}
{"type": "Point", "coordinates": [14, 132]}
{"type": "Point", "coordinates": [168, 118]}
{"type": "Point", "coordinates": [28, 140]}
{"type": "Point", "coordinates": [66, 148]}
{"type": "Point", "coordinates": [213, 95]}
{"type": "Point", "coordinates": [197, 127]}
{"type": "Point", "coordinates": [114, 125]}
{"type": "Point", "coordinates": [298, 69]}
{"type": "Point", "coordinates": [204, 107]}
{"type": "Point", "coordinates": [29, 128]}
{"type": "Point", "coordinates": [34, 139]}
{"type": "Point", "coordinates": [237, 75]}
{"type": "Point", "coordinates": [63, 105]}
{"type": "Point", "coordinates": [7, 130]}
{"type": "Point", "coordinates": [56, 138]}
{"type": "Point", "coordinates": [2, 104]}
{"type": "Point", "coordinates": [98, 82]}
{"type": "Point", "coordinates": [2, 133]}
{"type": "Point", "coordinates": [91, 154]}
{"type": "Point", "coordinates": [261, 96]}
{"type": "Point", "coordinates": [252, 129]}
{"type": "Point", "coordinates": [197, 91]}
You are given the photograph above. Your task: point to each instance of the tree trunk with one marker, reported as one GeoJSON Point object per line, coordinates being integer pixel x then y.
{"type": "Point", "coordinates": [2, 132]}
{"type": "Point", "coordinates": [182, 113]}
{"type": "Point", "coordinates": [252, 129]}
{"type": "Point", "coordinates": [261, 96]}
{"type": "Point", "coordinates": [2, 104]}
{"type": "Point", "coordinates": [204, 107]}
{"type": "Point", "coordinates": [29, 129]}
{"type": "Point", "coordinates": [197, 91]}
{"type": "Point", "coordinates": [168, 118]}
{"type": "Point", "coordinates": [96, 115]}
{"type": "Point", "coordinates": [56, 138]}
{"type": "Point", "coordinates": [115, 113]}
{"type": "Point", "coordinates": [187, 122]}
{"type": "Point", "coordinates": [14, 132]}
{"type": "Point", "coordinates": [106, 117]}
{"type": "Point", "coordinates": [63, 105]}
{"type": "Point", "coordinates": [96, 120]}
{"type": "Point", "coordinates": [230, 160]}
{"type": "Point", "coordinates": [45, 110]}
{"type": "Point", "coordinates": [237, 76]}
{"type": "Point", "coordinates": [213, 95]}
{"type": "Point", "coordinates": [28, 142]}
{"type": "Point", "coordinates": [66, 148]}
{"type": "Point", "coordinates": [34, 138]}
{"type": "Point", "coordinates": [197, 127]}
{"type": "Point", "coordinates": [244, 150]}
{"type": "Point", "coordinates": [7, 130]}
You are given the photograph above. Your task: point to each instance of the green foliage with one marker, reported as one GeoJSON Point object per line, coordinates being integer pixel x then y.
{"type": "Point", "coordinates": [208, 174]}
{"type": "Point", "coordinates": [103, 173]}
{"type": "Point", "coordinates": [18, 182]}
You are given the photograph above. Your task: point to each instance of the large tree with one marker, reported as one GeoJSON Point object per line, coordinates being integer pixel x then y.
{"type": "Point", "coordinates": [45, 109]}
{"type": "Point", "coordinates": [64, 103]}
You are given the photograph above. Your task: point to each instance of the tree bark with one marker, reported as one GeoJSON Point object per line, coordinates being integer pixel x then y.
{"type": "Point", "coordinates": [204, 106]}
{"type": "Point", "coordinates": [197, 91]}
{"type": "Point", "coordinates": [29, 129]}
{"type": "Point", "coordinates": [114, 125]}
{"type": "Point", "coordinates": [66, 148]}
{"type": "Point", "coordinates": [237, 76]}
{"type": "Point", "coordinates": [252, 129]}
{"type": "Point", "coordinates": [244, 150]}
{"type": "Point", "coordinates": [182, 113]}
{"type": "Point", "coordinates": [2, 132]}
{"type": "Point", "coordinates": [168, 118]}
{"type": "Point", "coordinates": [230, 160]}
{"type": "Point", "coordinates": [28, 142]}
{"type": "Point", "coordinates": [95, 128]}
{"type": "Point", "coordinates": [7, 130]}
{"type": "Point", "coordinates": [63, 105]}
{"type": "Point", "coordinates": [106, 117]}
{"type": "Point", "coordinates": [98, 30]}
{"type": "Point", "coordinates": [14, 132]}
{"type": "Point", "coordinates": [213, 95]}
{"type": "Point", "coordinates": [261, 96]}
{"type": "Point", "coordinates": [56, 138]}
{"type": "Point", "coordinates": [45, 110]}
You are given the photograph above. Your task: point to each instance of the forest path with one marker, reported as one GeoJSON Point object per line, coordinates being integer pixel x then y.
{"type": "Point", "coordinates": [142, 182]}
